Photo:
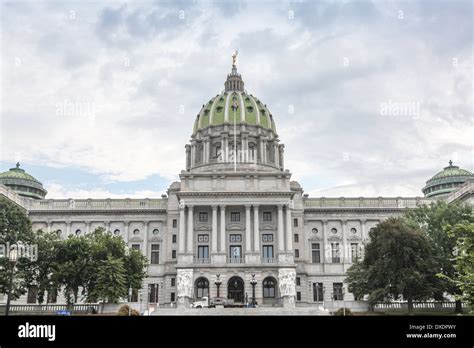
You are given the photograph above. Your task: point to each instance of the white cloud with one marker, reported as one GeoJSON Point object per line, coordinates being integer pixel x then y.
{"type": "Point", "coordinates": [124, 71]}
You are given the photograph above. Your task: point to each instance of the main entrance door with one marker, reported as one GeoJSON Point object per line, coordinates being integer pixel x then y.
{"type": "Point", "coordinates": [235, 289]}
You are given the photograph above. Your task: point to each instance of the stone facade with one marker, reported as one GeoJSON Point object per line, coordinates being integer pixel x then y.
{"type": "Point", "coordinates": [235, 215]}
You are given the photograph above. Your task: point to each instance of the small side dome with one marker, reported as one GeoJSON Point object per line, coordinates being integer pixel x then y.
{"type": "Point", "coordinates": [23, 183]}
{"type": "Point", "coordinates": [446, 181]}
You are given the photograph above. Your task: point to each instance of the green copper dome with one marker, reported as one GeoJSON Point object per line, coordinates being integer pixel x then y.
{"type": "Point", "coordinates": [446, 180]}
{"type": "Point", "coordinates": [219, 110]}
{"type": "Point", "coordinates": [234, 104]}
{"type": "Point", "coordinates": [23, 183]}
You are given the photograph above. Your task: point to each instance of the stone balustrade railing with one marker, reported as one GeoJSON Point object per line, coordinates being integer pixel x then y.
{"type": "Point", "coordinates": [363, 202]}
{"type": "Point", "coordinates": [97, 204]}
{"type": "Point", "coordinates": [12, 195]}
{"type": "Point", "coordinates": [467, 187]}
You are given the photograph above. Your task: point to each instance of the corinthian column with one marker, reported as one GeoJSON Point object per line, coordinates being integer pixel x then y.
{"type": "Point", "coordinates": [214, 229]}
{"type": "Point", "coordinates": [222, 236]}
{"type": "Point", "coordinates": [289, 230]}
{"type": "Point", "coordinates": [281, 237]}
{"type": "Point", "coordinates": [248, 237]}
{"type": "Point", "coordinates": [190, 229]}
{"type": "Point", "coordinates": [182, 230]}
{"type": "Point", "coordinates": [256, 230]}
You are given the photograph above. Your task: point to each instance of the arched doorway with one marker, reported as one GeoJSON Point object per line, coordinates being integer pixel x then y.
{"type": "Point", "coordinates": [202, 288]}
{"type": "Point", "coordinates": [269, 290]}
{"type": "Point", "coordinates": [235, 289]}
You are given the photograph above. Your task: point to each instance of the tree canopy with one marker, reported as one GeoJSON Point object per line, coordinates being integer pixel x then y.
{"type": "Point", "coordinates": [398, 261]}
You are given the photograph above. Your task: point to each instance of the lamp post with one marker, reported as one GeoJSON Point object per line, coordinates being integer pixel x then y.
{"type": "Point", "coordinates": [13, 258]}
{"type": "Point", "coordinates": [218, 283]}
{"type": "Point", "coordinates": [253, 282]}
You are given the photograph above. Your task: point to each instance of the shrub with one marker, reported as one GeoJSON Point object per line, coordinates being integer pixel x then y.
{"type": "Point", "coordinates": [340, 312]}
{"type": "Point", "coordinates": [123, 311]}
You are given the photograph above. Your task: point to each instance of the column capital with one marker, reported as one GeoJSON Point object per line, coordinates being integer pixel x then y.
{"type": "Point", "coordinates": [344, 221]}
{"type": "Point", "coordinates": [190, 206]}
{"type": "Point", "coordinates": [126, 222]}
{"type": "Point", "coordinates": [222, 206]}
{"type": "Point", "coordinates": [248, 206]}
{"type": "Point", "coordinates": [280, 206]}
{"type": "Point", "coordinates": [214, 206]}
{"type": "Point", "coordinates": [363, 220]}
{"type": "Point", "coordinates": [255, 206]}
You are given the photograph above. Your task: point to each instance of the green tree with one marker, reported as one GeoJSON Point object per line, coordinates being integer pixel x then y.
{"type": "Point", "coordinates": [464, 259]}
{"type": "Point", "coordinates": [397, 262]}
{"type": "Point", "coordinates": [45, 269]}
{"type": "Point", "coordinates": [111, 282]}
{"type": "Point", "coordinates": [15, 228]}
{"type": "Point", "coordinates": [73, 267]}
{"type": "Point", "coordinates": [433, 220]}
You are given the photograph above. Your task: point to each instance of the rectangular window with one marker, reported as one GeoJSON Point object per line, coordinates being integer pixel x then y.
{"type": "Point", "coordinates": [235, 238]}
{"type": "Point", "coordinates": [295, 222]}
{"type": "Point", "coordinates": [203, 217]}
{"type": "Point", "coordinates": [235, 252]}
{"type": "Point", "coordinates": [153, 293]}
{"type": "Point", "coordinates": [203, 238]}
{"type": "Point", "coordinates": [335, 253]}
{"type": "Point", "coordinates": [173, 297]}
{"type": "Point", "coordinates": [315, 253]}
{"type": "Point", "coordinates": [134, 297]}
{"type": "Point", "coordinates": [174, 238]}
{"type": "Point", "coordinates": [267, 216]}
{"type": "Point", "coordinates": [53, 296]}
{"type": "Point", "coordinates": [296, 237]}
{"type": "Point", "coordinates": [298, 281]}
{"type": "Point", "coordinates": [203, 252]}
{"type": "Point", "coordinates": [267, 252]}
{"type": "Point", "coordinates": [173, 281]}
{"type": "Point", "coordinates": [235, 216]}
{"type": "Point", "coordinates": [337, 291]}
{"type": "Point", "coordinates": [297, 253]}
{"type": "Point", "coordinates": [135, 246]}
{"type": "Point", "coordinates": [155, 254]}
{"type": "Point", "coordinates": [32, 294]}
{"type": "Point", "coordinates": [298, 296]}
{"type": "Point", "coordinates": [317, 292]}
{"type": "Point", "coordinates": [354, 252]}
{"type": "Point", "coordinates": [175, 223]}
{"type": "Point", "coordinates": [173, 254]}
{"type": "Point", "coordinates": [267, 238]}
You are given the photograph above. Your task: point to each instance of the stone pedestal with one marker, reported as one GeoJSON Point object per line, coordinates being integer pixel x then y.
{"type": "Point", "coordinates": [287, 284]}
{"type": "Point", "coordinates": [288, 301]}
{"type": "Point", "coordinates": [185, 287]}
{"type": "Point", "coordinates": [184, 302]}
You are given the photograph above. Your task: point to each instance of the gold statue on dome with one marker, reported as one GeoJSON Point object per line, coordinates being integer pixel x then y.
{"type": "Point", "coordinates": [234, 58]}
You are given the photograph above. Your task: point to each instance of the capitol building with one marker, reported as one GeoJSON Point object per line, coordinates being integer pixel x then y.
{"type": "Point", "coordinates": [235, 219]}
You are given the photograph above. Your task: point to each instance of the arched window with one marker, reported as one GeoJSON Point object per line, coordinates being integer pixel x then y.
{"type": "Point", "coordinates": [269, 287]}
{"type": "Point", "coordinates": [202, 287]}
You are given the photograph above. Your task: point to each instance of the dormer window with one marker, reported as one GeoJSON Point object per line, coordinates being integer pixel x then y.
{"type": "Point", "coordinates": [249, 109]}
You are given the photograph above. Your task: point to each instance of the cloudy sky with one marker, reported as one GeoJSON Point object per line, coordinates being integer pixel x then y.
{"type": "Point", "coordinates": [98, 99]}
